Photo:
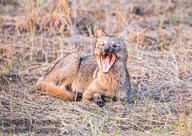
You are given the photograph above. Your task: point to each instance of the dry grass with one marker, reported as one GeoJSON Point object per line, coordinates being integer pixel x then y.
{"type": "Point", "coordinates": [158, 34]}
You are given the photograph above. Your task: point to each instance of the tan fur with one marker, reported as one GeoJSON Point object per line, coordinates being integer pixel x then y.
{"type": "Point", "coordinates": [55, 90]}
{"type": "Point", "coordinates": [84, 74]}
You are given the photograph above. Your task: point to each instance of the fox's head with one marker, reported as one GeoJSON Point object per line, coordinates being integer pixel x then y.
{"type": "Point", "coordinates": [108, 49]}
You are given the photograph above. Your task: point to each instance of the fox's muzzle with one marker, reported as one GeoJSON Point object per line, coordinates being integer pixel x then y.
{"type": "Point", "coordinates": [108, 48]}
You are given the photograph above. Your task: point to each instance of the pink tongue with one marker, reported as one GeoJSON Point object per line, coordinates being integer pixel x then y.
{"type": "Point", "coordinates": [106, 63]}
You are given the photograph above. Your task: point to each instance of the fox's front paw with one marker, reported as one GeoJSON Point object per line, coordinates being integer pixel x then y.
{"type": "Point", "coordinates": [78, 97]}
{"type": "Point", "coordinates": [100, 103]}
{"type": "Point", "coordinates": [86, 99]}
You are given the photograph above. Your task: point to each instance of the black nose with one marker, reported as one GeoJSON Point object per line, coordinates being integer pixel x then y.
{"type": "Point", "coordinates": [107, 48]}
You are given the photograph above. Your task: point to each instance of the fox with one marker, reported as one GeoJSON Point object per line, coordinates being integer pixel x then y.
{"type": "Point", "coordinates": [93, 77]}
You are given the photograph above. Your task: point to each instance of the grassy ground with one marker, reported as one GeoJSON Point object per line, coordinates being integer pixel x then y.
{"type": "Point", "coordinates": [34, 34]}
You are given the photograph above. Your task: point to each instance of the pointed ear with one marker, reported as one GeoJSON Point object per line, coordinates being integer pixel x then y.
{"type": "Point", "coordinates": [98, 32]}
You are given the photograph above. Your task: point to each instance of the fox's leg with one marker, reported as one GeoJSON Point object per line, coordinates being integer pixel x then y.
{"type": "Point", "coordinates": [56, 91]}
{"type": "Point", "coordinates": [94, 92]}
{"type": "Point", "coordinates": [88, 94]}
{"type": "Point", "coordinates": [61, 75]}
{"type": "Point", "coordinates": [98, 100]}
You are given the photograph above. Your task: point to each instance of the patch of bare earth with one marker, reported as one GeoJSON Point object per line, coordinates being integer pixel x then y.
{"type": "Point", "coordinates": [158, 35]}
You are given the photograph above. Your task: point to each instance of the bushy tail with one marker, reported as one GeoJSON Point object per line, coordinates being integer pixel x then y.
{"type": "Point", "coordinates": [55, 90]}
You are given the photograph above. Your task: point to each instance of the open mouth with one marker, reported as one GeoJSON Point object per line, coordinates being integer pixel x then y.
{"type": "Point", "coordinates": [107, 61]}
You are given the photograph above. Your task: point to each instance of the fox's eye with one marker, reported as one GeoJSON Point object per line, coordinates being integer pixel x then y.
{"type": "Point", "coordinates": [115, 45]}
{"type": "Point", "coordinates": [101, 44]}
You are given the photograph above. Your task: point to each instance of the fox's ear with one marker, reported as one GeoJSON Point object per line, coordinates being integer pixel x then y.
{"type": "Point", "coordinates": [98, 32]}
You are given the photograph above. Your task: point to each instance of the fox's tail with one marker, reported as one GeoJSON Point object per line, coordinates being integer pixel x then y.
{"type": "Point", "coordinates": [55, 90]}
